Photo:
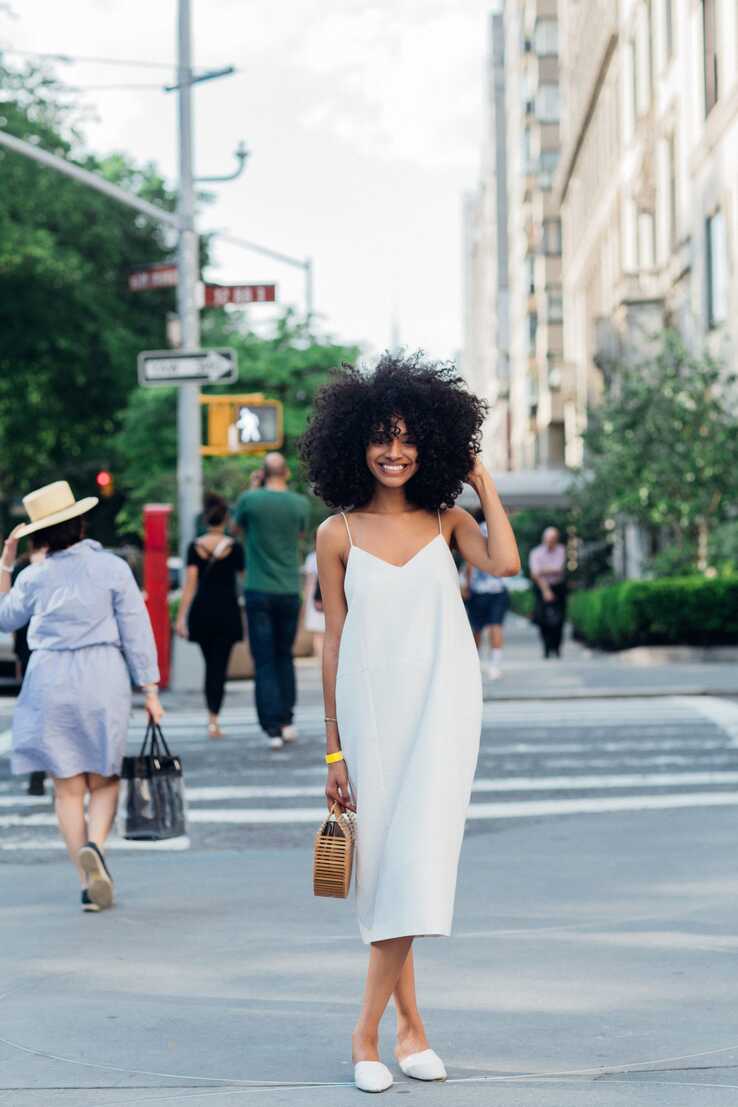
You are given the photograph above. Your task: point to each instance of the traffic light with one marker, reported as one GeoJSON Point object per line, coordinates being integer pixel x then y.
{"type": "Point", "coordinates": [105, 483]}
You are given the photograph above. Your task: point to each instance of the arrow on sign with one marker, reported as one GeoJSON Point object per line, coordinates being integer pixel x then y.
{"type": "Point", "coordinates": [180, 367]}
{"type": "Point", "coordinates": [216, 366]}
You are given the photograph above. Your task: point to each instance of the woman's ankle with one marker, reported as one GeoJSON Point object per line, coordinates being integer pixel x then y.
{"type": "Point", "coordinates": [410, 1036]}
{"type": "Point", "coordinates": [364, 1044]}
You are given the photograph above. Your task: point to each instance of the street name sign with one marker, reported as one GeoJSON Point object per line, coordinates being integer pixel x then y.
{"type": "Point", "coordinates": [153, 277]}
{"type": "Point", "coordinates": [187, 366]}
{"type": "Point", "coordinates": [217, 295]}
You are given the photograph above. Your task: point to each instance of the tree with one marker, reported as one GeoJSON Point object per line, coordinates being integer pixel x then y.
{"type": "Point", "coordinates": [70, 328]}
{"type": "Point", "coordinates": [289, 366]}
{"type": "Point", "coordinates": [662, 449]}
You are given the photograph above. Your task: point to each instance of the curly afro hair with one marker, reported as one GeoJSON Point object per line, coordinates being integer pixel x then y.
{"type": "Point", "coordinates": [354, 407]}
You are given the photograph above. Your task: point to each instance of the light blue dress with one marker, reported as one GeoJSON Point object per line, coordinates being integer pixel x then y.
{"type": "Point", "coordinates": [89, 629]}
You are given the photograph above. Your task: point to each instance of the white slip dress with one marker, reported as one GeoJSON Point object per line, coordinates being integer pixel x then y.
{"type": "Point", "coordinates": [409, 710]}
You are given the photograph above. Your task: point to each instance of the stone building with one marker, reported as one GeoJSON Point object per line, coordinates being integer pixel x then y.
{"type": "Point", "coordinates": [648, 183]}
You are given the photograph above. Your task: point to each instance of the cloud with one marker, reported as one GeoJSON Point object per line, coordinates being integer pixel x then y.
{"type": "Point", "coordinates": [395, 80]}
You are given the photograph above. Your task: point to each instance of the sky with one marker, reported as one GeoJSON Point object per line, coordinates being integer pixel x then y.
{"type": "Point", "coordinates": [364, 121]}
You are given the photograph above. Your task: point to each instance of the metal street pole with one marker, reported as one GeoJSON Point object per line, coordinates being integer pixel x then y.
{"type": "Point", "coordinates": [189, 463]}
{"type": "Point", "coordinates": [306, 264]}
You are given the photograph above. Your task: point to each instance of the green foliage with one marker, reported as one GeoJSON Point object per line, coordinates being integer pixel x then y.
{"type": "Point", "coordinates": [70, 327]}
{"type": "Point", "coordinates": [663, 447]}
{"type": "Point", "coordinates": [678, 611]}
{"type": "Point", "coordinates": [522, 601]}
{"type": "Point", "coordinates": [724, 547]}
{"type": "Point", "coordinates": [289, 366]}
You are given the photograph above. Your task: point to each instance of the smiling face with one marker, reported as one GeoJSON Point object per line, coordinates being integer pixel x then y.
{"type": "Point", "coordinates": [392, 455]}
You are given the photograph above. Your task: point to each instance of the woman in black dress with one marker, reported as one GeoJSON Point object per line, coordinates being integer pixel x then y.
{"type": "Point", "coordinates": [209, 613]}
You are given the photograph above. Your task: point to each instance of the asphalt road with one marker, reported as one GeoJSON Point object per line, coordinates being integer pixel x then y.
{"type": "Point", "coordinates": [593, 955]}
{"type": "Point", "coordinates": [538, 760]}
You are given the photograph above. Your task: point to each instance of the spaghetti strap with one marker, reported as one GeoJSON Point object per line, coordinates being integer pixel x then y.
{"type": "Point", "coordinates": [438, 513]}
{"type": "Point", "coordinates": [348, 529]}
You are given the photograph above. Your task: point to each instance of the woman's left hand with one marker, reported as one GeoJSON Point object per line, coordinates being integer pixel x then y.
{"type": "Point", "coordinates": [153, 706]}
{"type": "Point", "coordinates": [478, 475]}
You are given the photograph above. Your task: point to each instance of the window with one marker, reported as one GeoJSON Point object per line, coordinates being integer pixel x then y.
{"type": "Point", "coordinates": [547, 167]}
{"type": "Point", "coordinates": [669, 29]}
{"type": "Point", "coordinates": [529, 164]}
{"type": "Point", "coordinates": [646, 240]}
{"type": "Point", "coordinates": [547, 103]}
{"type": "Point", "coordinates": [552, 237]}
{"type": "Point", "coordinates": [673, 212]}
{"type": "Point", "coordinates": [532, 332]}
{"type": "Point", "coordinates": [717, 270]}
{"type": "Point", "coordinates": [530, 273]}
{"type": "Point", "coordinates": [650, 41]}
{"type": "Point", "coordinates": [642, 73]}
{"type": "Point", "coordinates": [555, 312]}
{"type": "Point", "coordinates": [546, 37]}
{"type": "Point", "coordinates": [710, 53]}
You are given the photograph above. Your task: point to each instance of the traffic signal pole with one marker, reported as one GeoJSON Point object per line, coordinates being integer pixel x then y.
{"type": "Point", "coordinates": [189, 463]}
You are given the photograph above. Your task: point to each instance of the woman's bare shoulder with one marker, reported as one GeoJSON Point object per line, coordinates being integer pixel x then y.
{"type": "Point", "coordinates": [331, 535]}
{"type": "Point", "coordinates": [453, 516]}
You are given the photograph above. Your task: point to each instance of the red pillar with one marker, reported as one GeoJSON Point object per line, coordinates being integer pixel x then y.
{"type": "Point", "coordinates": [156, 582]}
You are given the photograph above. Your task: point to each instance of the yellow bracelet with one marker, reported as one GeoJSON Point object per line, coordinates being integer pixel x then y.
{"type": "Point", "coordinates": [331, 758]}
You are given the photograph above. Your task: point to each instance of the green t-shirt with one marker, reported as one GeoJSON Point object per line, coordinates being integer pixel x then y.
{"type": "Point", "coordinates": [272, 522]}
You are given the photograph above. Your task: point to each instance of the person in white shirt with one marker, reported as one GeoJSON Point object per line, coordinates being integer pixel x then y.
{"type": "Point", "coordinates": [314, 617]}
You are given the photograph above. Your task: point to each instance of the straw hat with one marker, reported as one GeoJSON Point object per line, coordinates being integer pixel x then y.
{"type": "Point", "coordinates": [52, 504]}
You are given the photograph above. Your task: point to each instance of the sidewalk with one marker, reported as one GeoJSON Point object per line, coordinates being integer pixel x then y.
{"type": "Point", "coordinates": [582, 672]}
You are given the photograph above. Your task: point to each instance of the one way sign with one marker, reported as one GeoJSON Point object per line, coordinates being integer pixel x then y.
{"type": "Point", "coordinates": [191, 366]}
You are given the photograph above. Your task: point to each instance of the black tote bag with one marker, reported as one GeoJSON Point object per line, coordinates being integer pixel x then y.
{"type": "Point", "coordinates": [153, 800]}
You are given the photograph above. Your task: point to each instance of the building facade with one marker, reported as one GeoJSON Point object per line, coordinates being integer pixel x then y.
{"type": "Point", "coordinates": [647, 185]}
{"type": "Point", "coordinates": [514, 240]}
{"type": "Point", "coordinates": [486, 284]}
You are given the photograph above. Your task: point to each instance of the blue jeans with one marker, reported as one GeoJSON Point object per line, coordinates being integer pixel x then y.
{"type": "Point", "coordinates": [271, 619]}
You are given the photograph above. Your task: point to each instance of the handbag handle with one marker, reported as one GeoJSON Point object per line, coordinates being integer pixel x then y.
{"type": "Point", "coordinates": [155, 737]}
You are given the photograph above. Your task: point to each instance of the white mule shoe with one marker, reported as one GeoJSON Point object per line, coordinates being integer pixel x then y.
{"type": "Point", "coordinates": [426, 1065]}
{"type": "Point", "coordinates": [372, 1076]}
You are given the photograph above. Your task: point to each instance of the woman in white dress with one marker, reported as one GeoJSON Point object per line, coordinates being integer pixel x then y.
{"type": "Point", "coordinates": [401, 678]}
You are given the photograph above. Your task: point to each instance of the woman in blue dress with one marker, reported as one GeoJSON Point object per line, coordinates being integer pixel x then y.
{"type": "Point", "coordinates": [90, 636]}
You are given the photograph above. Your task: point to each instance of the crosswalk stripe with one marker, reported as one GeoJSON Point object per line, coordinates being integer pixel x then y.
{"type": "Point", "coordinates": [55, 843]}
{"type": "Point", "coordinates": [508, 810]}
{"type": "Point", "coordinates": [603, 782]}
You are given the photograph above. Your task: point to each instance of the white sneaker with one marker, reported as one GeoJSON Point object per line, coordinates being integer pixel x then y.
{"type": "Point", "coordinates": [493, 673]}
{"type": "Point", "coordinates": [275, 743]}
{"type": "Point", "coordinates": [290, 732]}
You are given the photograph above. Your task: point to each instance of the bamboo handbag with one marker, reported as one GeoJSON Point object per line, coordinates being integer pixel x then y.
{"type": "Point", "coordinates": [333, 855]}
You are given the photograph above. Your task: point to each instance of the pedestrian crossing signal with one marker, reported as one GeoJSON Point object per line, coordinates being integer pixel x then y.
{"type": "Point", "coordinates": [241, 424]}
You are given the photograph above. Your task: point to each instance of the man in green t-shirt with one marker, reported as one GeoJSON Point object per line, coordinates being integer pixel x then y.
{"type": "Point", "coordinates": [272, 519]}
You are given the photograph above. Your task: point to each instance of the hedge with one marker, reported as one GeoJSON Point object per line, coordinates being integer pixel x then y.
{"type": "Point", "coordinates": [521, 601]}
{"type": "Point", "coordinates": [673, 611]}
